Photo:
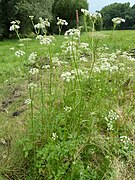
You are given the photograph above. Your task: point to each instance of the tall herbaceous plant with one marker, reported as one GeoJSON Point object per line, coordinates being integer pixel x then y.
{"type": "Point", "coordinates": [73, 132]}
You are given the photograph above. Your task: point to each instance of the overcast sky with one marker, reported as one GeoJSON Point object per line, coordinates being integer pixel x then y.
{"type": "Point", "coordinates": [98, 4]}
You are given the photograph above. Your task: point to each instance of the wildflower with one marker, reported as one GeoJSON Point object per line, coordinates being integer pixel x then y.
{"type": "Point", "coordinates": [92, 16]}
{"type": "Point", "coordinates": [117, 20]}
{"type": "Point", "coordinates": [27, 101]}
{"type": "Point", "coordinates": [125, 142]}
{"type": "Point", "coordinates": [73, 32]}
{"type": "Point", "coordinates": [96, 69]}
{"type": "Point", "coordinates": [17, 21]}
{"type": "Point", "coordinates": [110, 119]}
{"type": "Point", "coordinates": [31, 17]}
{"type": "Point", "coordinates": [67, 76]}
{"type": "Point", "coordinates": [32, 57]}
{"type": "Point", "coordinates": [3, 141]}
{"type": "Point", "coordinates": [45, 40]}
{"type": "Point", "coordinates": [34, 71]}
{"type": "Point", "coordinates": [105, 66]}
{"type": "Point", "coordinates": [114, 68]}
{"type": "Point", "coordinates": [19, 53]}
{"type": "Point", "coordinates": [32, 86]}
{"type": "Point", "coordinates": [56, 61]}
{"type": "Point", "coordinates": [70, 50]}
{"type": "Point", "coordinates": [46, 66]}
{"type": "Point", "coordinates": [42, 24]}
{"type": "Point", "coordinates": [14, 25]}
{"type": "Point", "coordinates": [85, 12]}
{"type": "Point", "coordinates": [61, 22]}
{"type": "Point", "coordinates": [39, 26]}
{"type": "Point", "coordinates": [39, 37]}
{"type": "Point", "coordinates": [47, 23]}
{"type": "Point", "coordinates": [54, 136]}
{"type": "Point", "coordinates": [124, 139]}
{"type": "Point", "coordinates": [13, 22]}
{"type": "Point", "coordinates": [84, 45]}
{"type": "Point", "coordinates": [95, 16]}
{"type": "Point", "coordinates": [68, 108]}
{"type": "Point", "coordinates": [84, 59]}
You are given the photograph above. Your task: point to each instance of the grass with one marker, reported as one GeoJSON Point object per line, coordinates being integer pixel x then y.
{"type": "Point", "coordinates": [80, 128]}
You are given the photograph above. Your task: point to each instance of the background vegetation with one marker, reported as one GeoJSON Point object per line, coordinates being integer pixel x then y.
{"type": "Point", "coordinates": [119, 10]}
{"type": "Point", "coordinates": [51, 9]}
{"type": "Point", "coordinates": [67, 102]}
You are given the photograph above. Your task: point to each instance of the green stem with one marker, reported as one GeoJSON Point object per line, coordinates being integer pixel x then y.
{"type": "Point", "coordinates": [42, 105]}
{"type": "Point", "coordinates": [60, 28]}
{"type": "Point", "coordinates": [31, 91]}
{"type": "Point", "coordinates": [93, 49]}
{"type": "Point", "coordinates": [50, 84]}
{"type": "Point", "coordinates": [17, 34]}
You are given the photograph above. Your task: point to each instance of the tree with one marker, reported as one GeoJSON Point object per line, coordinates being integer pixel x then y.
{"type": "Point", "coordinates": [21, 9]}
{"type": "Point", "coordinates": [112, 11]}
{"type": "Point", "coordinates": [7, 13]}
{"type": "Point", "coordinates": [66, 9]}
{"type": "Point", "coordinates": [130, 18]}
{"type": "Point", "coordinates": [36, 8]}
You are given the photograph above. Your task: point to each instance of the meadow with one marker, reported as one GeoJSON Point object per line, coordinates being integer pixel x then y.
{"type": "Point", "coordinates": [67, 107]}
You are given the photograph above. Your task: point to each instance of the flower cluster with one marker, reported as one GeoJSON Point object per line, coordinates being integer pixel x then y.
{"type": "Point", "coordinates": [42, 24]}
{"type": "Point", "coordinates": [67, 76]}
{"type": "Point", "coordinates": [110, 119]}
{"type": "Point", "coordinates": [32, 85]}
{"type": "Point", "coordinates": [83, 59]}
{"type": "Point", "coordinates": [32, 57]}
{"type": "Point", "coordinates": [85, 12]}
{"type": "Point", "coordinates": [108, 62]}
{"type": "Point", "coordinates": [95, 16]}
{"type": "Point", "coordinates": [69, 48]}
{"type": "Point", "coordinates": [125, 141]}
{"type": "Point", "coordinates": [68, 108]}
{"type": "Point", "coordinates": [118, 20]}
{"type": "Point", "coordinates": [19, 53]}
{"type": "Point", "coordinates": [61, 22]}
{"type": "Point", "coordinates": [45, 40]}
{"type": "Point", "coordinates": [31, 17]}
{"type": "Point", "coordinates": [73, 74]}
{"type": "Point", "coordinates": [14, 25]}
{"type": "Point", "coordinates": [84, 49]}
{"type": "Point", "coordinates": [92, 16]}
{"type": "Point", "coordinates": [73, 32]}
{"type": "Point", "coordinates": [54, 136]}
{"type": "Point", "coordinates": [27, 101]}
{"type": "Point", "coordinates": [57, 62]}
{"type": "Point", "coordinates": [84, 45]}
{"type": "Point", "coordinates": [34, 71]}
{"type": "Point", "coordinates": [127, 56]}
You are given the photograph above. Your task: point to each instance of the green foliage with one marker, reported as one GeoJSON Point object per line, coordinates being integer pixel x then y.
{"type": "Point", "coordinates": [67, 10]}
{"type": "Point", "coordinates": [130, 18]}
{"type": "Point", "coordinates": [8, 12]}
{"type": "Point", "coordinates": [117, 10]}
{"type": "Point", "coordinates": [21, 10]}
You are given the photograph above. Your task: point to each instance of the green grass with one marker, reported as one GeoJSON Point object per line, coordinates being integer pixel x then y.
{"type": "Point", "coordinates": [42, 140]}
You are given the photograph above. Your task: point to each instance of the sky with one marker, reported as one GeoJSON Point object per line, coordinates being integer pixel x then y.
{"type": "Point", "coordinates": [99, 4]}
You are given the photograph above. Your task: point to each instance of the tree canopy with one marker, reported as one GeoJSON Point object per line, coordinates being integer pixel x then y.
{"type": "Point", "coordinates": [122, 10]}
